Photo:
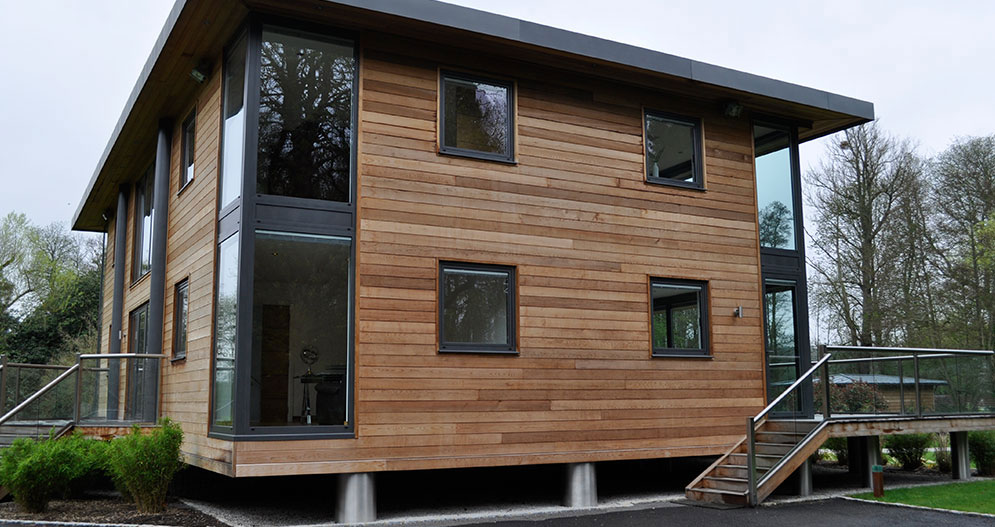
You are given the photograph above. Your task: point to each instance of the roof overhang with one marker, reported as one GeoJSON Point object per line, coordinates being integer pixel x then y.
{"type": "Point", "coordinates": [198, 29]}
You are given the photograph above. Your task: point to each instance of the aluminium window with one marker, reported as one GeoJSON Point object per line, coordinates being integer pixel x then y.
{"type": "Point", "coordinates": [679, 317]}
{"type": "Point", "coordinates": [673, 150]}
{"type": "Point", "coordinates": [476, 308]}
{"type": "Point", "coordinates": [187, 151]}
{"type": "Point", "coordinates": [141, 262]}
{"type": "Point", "coordinates": [477, 117]}
{"type": "Point", "coordinates": [181, 314]}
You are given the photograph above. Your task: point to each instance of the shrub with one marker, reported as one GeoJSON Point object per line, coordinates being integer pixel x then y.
{"type": "Point", "coordinates": [144, 464]}
{"type": "Point", "coordinates": [908, 449]}
{"type": "Point", "coordinates": [981, 444]}
{"type": "Point", "coordinates": [38, 471]}
{"type": "Point", "coordinates": [944, 463]}
{"type": "Point", "coordinates": [838, 447]}
{"type": "Point", "coordinates": [853, 398]}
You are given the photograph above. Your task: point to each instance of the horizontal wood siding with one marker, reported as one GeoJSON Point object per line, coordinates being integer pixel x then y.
{"type": "Point", "coordinates": [585, 232]}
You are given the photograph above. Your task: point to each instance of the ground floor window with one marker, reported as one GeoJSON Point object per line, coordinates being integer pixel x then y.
{"type": "Point", "coordinates": [226, 315]}
{"type": "Point", "coordinates": [476, 308]}
{"type": "Point", "coordinates": [679, 317]}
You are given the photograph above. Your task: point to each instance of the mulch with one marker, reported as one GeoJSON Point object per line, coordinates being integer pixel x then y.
{"type": "Point", "coordinates": [110, 510]}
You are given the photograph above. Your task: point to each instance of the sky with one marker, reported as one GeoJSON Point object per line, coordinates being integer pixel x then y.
{"type": "Point", "coordinates": [69, 66]}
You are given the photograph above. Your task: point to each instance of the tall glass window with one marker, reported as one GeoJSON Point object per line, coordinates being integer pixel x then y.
{"type": "Point", "coordinates": [233, 127]}
{"type": "Point", "coordinates": [782, 344]}
{"type": "Point", "coordinates": [300, 329]}
{"type": "Point", "coordinates": [775, 188]}
{"type": "Point", "coordinates": [226, 315]}
{"type": "Point", "coordinates": [305, 117]}
{"type": "Point", "coordinates": [141, 262]}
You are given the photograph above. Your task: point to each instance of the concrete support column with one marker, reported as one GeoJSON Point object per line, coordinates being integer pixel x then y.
{"type": "Point", "coordinates": [117, 301]}
{"type": "Point", "coordinates": [864, 452]}
{"type": "Point", "coordinates": [356, 501]}
{"type": "Point", "coordinates": [804, 472]}
{"type": "Point", "coordinates": [157, 274]}
{"type": "Point", "coordinates": [959, 456]}
{"type": "Point", "coordinates": [582, 485]}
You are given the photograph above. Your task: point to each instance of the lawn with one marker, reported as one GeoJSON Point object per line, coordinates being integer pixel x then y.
{"type": "Point", "coordinates": [977, 496]}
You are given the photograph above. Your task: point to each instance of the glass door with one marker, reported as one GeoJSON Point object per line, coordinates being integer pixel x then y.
{"type": "Point", "coordinates": [781, 342]}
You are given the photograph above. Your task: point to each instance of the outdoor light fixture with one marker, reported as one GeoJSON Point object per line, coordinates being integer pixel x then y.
{"type": "Point", "coordinates": [200, 72]}
{"type": "Point", "coordinates": [733, 109]}
{"type": "Point", "coordinates": [738, 312]}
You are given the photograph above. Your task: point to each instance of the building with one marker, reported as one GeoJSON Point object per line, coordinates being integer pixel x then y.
{"type": "Point", "coordinates": [375, 235]}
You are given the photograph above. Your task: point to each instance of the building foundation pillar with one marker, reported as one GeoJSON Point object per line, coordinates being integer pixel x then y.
{"type": "Point", "coordinates": [960, 457]}
{"type": "Point", "coordinates": [356, 501]}
{"type": "Point", "coordinates": [582, 486]}
{"type": "Point", "coordinates": [804, 472]}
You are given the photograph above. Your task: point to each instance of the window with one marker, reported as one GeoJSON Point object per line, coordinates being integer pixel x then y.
{"type": "Point", "coordinates": [142, 258]}
{"type": "Point", "coordinates": [673, 150]}
{"type": "Point", "coordinates": [142, 374]}
{"type": "Point", "coordinates": [138, 329]}
{"type": "Point", "coordinates": [181, 311]}
{"type": "Point", "coordinates": [476, 117]}
{"type": "Point", "coordinates": [233, 128]}
{"type": "Point", "coordinates": [775, 188]}
{"type": "Point", "coordinates": [226, 315]}
{"type": "Point", "coordinates": [305, 117]}
{"type": "Point", "coordinates": [476, 308]}
{"type": "Point", "coordinates": [186, 169]}
{"type": "Point", "coordinates": [680, 317]}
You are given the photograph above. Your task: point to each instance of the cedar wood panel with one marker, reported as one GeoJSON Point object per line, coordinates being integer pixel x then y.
{"type": "Point", "coordinates": [582, 228]}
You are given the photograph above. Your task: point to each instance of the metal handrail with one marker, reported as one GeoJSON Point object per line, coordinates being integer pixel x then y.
{"type": "Point", "coordinates": [869, 349]}
{"type": "Point", "coordinates": [815, 366]}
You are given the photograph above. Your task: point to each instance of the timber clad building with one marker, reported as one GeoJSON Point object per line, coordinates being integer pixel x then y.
{"type": "Point", "coordinates": [383, 235]}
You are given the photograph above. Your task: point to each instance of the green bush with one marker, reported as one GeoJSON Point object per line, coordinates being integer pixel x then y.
{"type": "Point", "coordinates": [944, 463]}
{"type": "Point", "coordinates": [853, 398]}
{"type": "Point", "coordinates": [908, 449]}
{"type": "Point", "coordinates": [981, 444]}
{"type": "Point", "coordinates": [38, 471]}
{"type": "Point", "coordinates": [838, 447]}
{"type": "Point", "coordinates": [144, 464]}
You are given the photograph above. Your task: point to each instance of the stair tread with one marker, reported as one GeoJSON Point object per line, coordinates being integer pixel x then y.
{"type": "Point", "coordinates": [743, 466]}
{"type": "Point", "coordinates": [717, 491]}
{"type": "Point", "coordinates": [726, 478]}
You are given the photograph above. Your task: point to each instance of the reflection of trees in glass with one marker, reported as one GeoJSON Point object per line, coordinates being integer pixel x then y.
{"type": "Point", "coordinates": [685, 326]}
{"type": "Point", "coordinates": [779, 310]}
{"type": "Point", "coordinates": [226, 312]}
{"type": "Point", "coordinates": [669, 148]}
{"type": "Point", "coordinates": [775, 225]}
{"type": "Point", "coordinates": [476, 115]}
{"type": "Point", "coordinates": [305, 116]}
{"type": "Point", "coordinates": [476, 307]}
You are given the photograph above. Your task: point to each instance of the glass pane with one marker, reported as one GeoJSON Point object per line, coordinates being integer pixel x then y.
{"type": "Point", "coordinates": [226, 313]}
{"type": "Point", "coordinates": [300, 329]}
{"type": "Point", "coordinates": [182, 309]}
{"type": "Point", "coordinates": [475, 307]}
{"type": "Point", "coordinates": [669, 148]}
{"type": "Point", "coordinates": [188, 151]}
{"type": "Point", "coordinates": [676, 317]}
{"type": "Point", "coordinates": [142, 243]}
{"type": "Point", "coordinates": [775, 196]}
{"type": "Point", "coordinates": [305, 117]}
{"type": "Point", "coordinates": [233, 135]}
{"type": "Point", "coordinates": [781, 345]}
{"type": "Point", "coordinates": [477, 116]}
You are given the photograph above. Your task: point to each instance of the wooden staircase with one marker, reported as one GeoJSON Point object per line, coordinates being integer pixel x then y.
{"type": "Point", "coordinates": [784, 444]}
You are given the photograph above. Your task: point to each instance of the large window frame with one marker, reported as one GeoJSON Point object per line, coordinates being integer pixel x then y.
{"type": "Point", "coordinates": [508, 348]}
{"type": "Point", "coordinates": [509, 85]}
{"type": "Point", "coordinates": [142, 230]}
{"type": "Point", "coordinates": [251, 211]}
{"type": "Point", "coordinates": [697, 154]}
{"type": "Point", "coordinates": [188, 150]}
{"type": "Point", "coordinates": [181, 319]}
{"type": "Point", "coordinates": [704, 330]}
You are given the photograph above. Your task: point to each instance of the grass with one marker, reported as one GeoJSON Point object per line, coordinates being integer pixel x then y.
{"type": "Point", "coordinates": [977, 496]}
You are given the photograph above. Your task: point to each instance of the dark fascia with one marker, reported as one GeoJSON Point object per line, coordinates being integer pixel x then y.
{"type": "Point", "coordinates": [464, 18]}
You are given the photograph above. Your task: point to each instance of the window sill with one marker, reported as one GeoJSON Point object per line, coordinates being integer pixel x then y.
{"type": "Point", "coordinates": [679, 355]}
{"type": "Point", "coordinates": [480, 156]}
{"type": "Point", "coordinates": [184, 187]}
{"type": "Point", "coordinates": [141, 279]}
{"type": "Point", "coordinates": [479, 351]}
{"type": "Point", "coordinates": [662, 182]}
{"type": "Point", "coordinates": [181, 358]}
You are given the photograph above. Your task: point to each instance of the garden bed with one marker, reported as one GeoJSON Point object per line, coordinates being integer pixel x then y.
{"type": "Point", "coordinates": [107, 509]}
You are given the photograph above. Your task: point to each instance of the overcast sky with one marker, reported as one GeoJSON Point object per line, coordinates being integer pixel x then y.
{"type": "Point", "coordinates": [68, 67]}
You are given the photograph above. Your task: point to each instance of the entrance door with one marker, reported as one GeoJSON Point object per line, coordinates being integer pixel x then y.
{"type": "Point", "coordinates": [781, 336]}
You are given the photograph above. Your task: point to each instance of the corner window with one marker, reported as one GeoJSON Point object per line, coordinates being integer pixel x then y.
{"type": "Point", "coordinates": [775, 186]}
{"type": "Point", "coordinates": [181, 310]}
{"type": "Point", "coordinates": [225, 324]}
{"type": "Point", "coordinates": [673, 150]}
{"type": "Point", "coordinates": [477, 117]}
{"type": "Point", "coordinates": [186, 168]}
{"type": "Point", "coordinates": [142, 258]}
{"type": "Point", "coordinates": [476, 308]}
{"type": "Point", "coordinates": [680, 317]}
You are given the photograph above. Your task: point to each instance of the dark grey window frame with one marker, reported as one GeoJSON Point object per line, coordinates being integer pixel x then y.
{"type": "Point", "coordinates": [697, 160]}
{"type": "Point", "coordinates": [467, 152]}
{"type": "Point", "coordinates": [511, 348]}
{"type": "Point", "coordinates": [182, 285]}
{"type": "Point", "coordinates": [188, 145]}
{"type": "Point", "coordinates": [144, 185]}
{"type": "Point", "coordinates": [703, 320]}
{"type": "Point", "coordinates": [253, 211]}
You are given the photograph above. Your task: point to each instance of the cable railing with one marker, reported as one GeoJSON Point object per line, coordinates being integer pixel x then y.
{"type": "Point", "coordinates": [99, 389]}
{"type": "Point", "coordinates": [857, 382]}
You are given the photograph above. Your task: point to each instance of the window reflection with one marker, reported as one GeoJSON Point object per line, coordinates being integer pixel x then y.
{"type": "Point", "coordinates": [670, 148]}
{"type": "Point", "coordinates": [142, 243]}
{"type": "Point", "coordinates": [781, 345]}
{"type": "Point", "coordinates": [475, 306]}
{"type": "Point", "coordinates": [676, 316]}
{"type": "Point", "coordinates": [233, 135]}
{"type": "Point", "coordinates": [775, 191]}
{"type": "Point", "coordinates": [226, 314]}
{"type": "Point", "coordinates": [477, 116]}
{"type": "Point", "coordinates": [305, 117]}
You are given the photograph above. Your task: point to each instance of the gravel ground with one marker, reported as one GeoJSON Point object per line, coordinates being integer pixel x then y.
{"type": "Point", "coordinates": [110, 510]}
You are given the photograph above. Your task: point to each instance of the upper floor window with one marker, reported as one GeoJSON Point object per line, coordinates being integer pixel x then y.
{"type": "Point", "coordinates": [476, 117]}
{"type": "Point", "coordinates": [476, 308]}
{"type": "Point", "coordinates": [233, 124]}
{"type": "Point", "coordinates": [181, 315]}
{"type": "Point", "coordinates": [142, 243]}
{"type": "Point", "coordinates": [305, 116]}
{"type": "Point", "coordinates": [673, 150]}
{"type": "Point", "coordinates": [775, 186]}
{"type": "Point", "coordinates": [679, 318]}
{"type": "Point", "coordinates": [187, 150]}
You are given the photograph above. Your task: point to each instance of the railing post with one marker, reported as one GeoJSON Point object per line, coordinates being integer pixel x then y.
{"type": "Point", "coordinates": [3, 383]}
{"type": "Point", "coordinates": [751, 473]}
{"type": "Point", "coordinates": [915, 371]}
{"type": "Point", "coordinates": [901, 388]}
{"type": "Point", "coordinates": [77, 400]}
{"type": "Point", "coordinates": [827, 387]}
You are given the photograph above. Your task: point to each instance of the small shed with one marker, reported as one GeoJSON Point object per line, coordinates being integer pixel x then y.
{"type": "Point", "coordinates": [891, 387]}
